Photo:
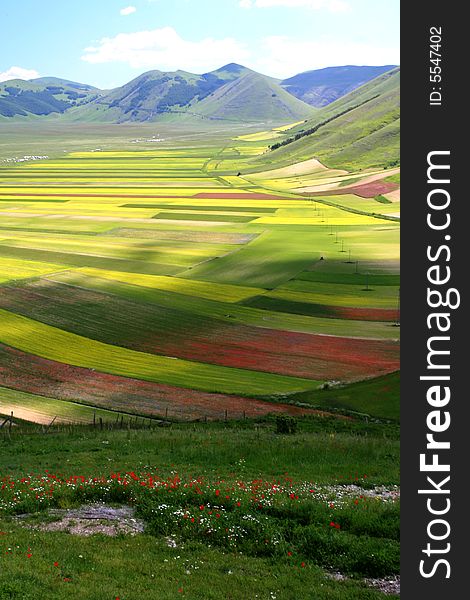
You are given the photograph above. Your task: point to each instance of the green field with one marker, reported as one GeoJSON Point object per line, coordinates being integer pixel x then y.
{"type": "Point", "coordinates": [269, 500]}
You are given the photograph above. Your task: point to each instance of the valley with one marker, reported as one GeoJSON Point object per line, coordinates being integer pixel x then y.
{"type": "Point", "coordinates": [194, 268]}
{"type": "Point", "coordinates": [200, 325]}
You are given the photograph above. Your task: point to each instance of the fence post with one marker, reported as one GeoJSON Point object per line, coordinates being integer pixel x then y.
{"type": "Point", "coordinates": [11, 423]}
{"type": "Point", "coordinates": [101, 424]}
{"type": "Point", "coordinates": [49, 426]}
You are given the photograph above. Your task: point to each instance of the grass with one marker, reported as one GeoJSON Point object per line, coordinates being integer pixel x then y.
{"type": "Point", "coordinates": [286, 544]}
{"type": "Point", "coordinates": [70, 259]}
{"type": "Point", "coordinates": [338, 294]}
{"type": "Point", "coordinates": [147, 568]}
{"type": "Point", "coordinates": [377, 398]}
{"type": "Point", "coordinates": [12, 269]}
{"type": "Point", "coordinates": [358, 131]}
{"type": "Point", "coordinates": [348, 278]}
{"type": "Point", "coordinates": [201, 289]}
{"type": "Point", "coordinates": [193, 216]}
{"type": "Point", "coordinates": [231, 313]}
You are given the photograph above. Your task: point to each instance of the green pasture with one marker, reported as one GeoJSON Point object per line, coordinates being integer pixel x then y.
{"type": "Point", "coordinates": [369, 205]}
{"type": "Point", "coordinates": [338, 294]}
{"type": "Point", "coordinates": [13, 269]}
{"type": "Point", "coordinates": [232, 313]}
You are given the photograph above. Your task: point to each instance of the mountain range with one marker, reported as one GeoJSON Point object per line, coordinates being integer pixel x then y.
{"type": "Point", "coordinates": [231, 93]}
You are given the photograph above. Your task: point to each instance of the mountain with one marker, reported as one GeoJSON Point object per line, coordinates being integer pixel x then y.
{"type": "Point", "coordinates": [360, 130]}
{"type": "Point", "coordinates": [232, 93]}
{"type": "Point", "coordinates": [252, 97]}
{"type": "Point", "coordinates": [158, 92]}
{"type": "Point", "coordinates": [56, 81]}
{"type": "Point", "coordinates": [43, 96]}
{"type": "Point", "coordinates": [323, 86]}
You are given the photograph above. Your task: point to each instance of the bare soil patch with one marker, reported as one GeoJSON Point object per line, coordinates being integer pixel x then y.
{"type": "Point", "coordinates": [90, 520]}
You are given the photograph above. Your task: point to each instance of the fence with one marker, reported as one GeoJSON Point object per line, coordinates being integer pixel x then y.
{"type": "Point", "coordinates": [122, 421]}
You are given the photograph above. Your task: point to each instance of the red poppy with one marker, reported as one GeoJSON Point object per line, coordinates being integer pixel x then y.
{"type": "Point", "coordinates": [56, 564]}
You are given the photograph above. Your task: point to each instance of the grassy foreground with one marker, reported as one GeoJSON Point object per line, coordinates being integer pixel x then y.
{"type": "Point", "coordinates": [250, 513]}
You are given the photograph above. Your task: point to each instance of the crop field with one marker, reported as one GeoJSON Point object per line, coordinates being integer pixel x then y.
{"type": "Point", "coordinates": [183, 279]}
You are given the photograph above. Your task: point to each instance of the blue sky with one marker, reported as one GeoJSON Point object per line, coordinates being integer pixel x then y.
{"type": "Point", "coordinates": [108, 42]}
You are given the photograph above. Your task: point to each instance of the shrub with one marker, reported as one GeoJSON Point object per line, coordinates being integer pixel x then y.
{"type": "Point", "coordinates": [285, 424]}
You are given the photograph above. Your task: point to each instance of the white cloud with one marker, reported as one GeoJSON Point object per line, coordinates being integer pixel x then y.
{"type": "Point", "coordinates": [165, 49]}
{"type": "Point", "coordinates": [335, 6]}
{"type": "Point", "coordinates": [18, 73]}
{"type": "Point", "coordinates": [281, 56]}
{"type": "Point", "coordinates": [128, 10]}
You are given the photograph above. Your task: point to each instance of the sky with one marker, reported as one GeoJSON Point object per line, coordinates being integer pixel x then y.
{"type": "Point", "coordinates": [106, 43]}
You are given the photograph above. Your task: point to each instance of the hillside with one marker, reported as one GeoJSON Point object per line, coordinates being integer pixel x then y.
{"type": "Point", "coordinates": [253, 97]}
{"type": "Point", "coordinates": [323, 86]}
{"type": "Point", "coordinates": [155, 93]}
{"type": "Point", "coordinates": [43, 96]}
{"type": "Point", "coordinates": [360, 130]}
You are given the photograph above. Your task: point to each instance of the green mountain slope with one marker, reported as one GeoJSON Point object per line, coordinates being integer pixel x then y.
{"type": "Point", "coordinates": [358, 131]}
{"type": "Point", "coordinates": [154, 93]}
{"type": "Point", "coordinates": [231, 93]}
{"type": "Point", "coordinates": [42, 96]}
{"type": "Point", "coordinates": [253, 97]}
